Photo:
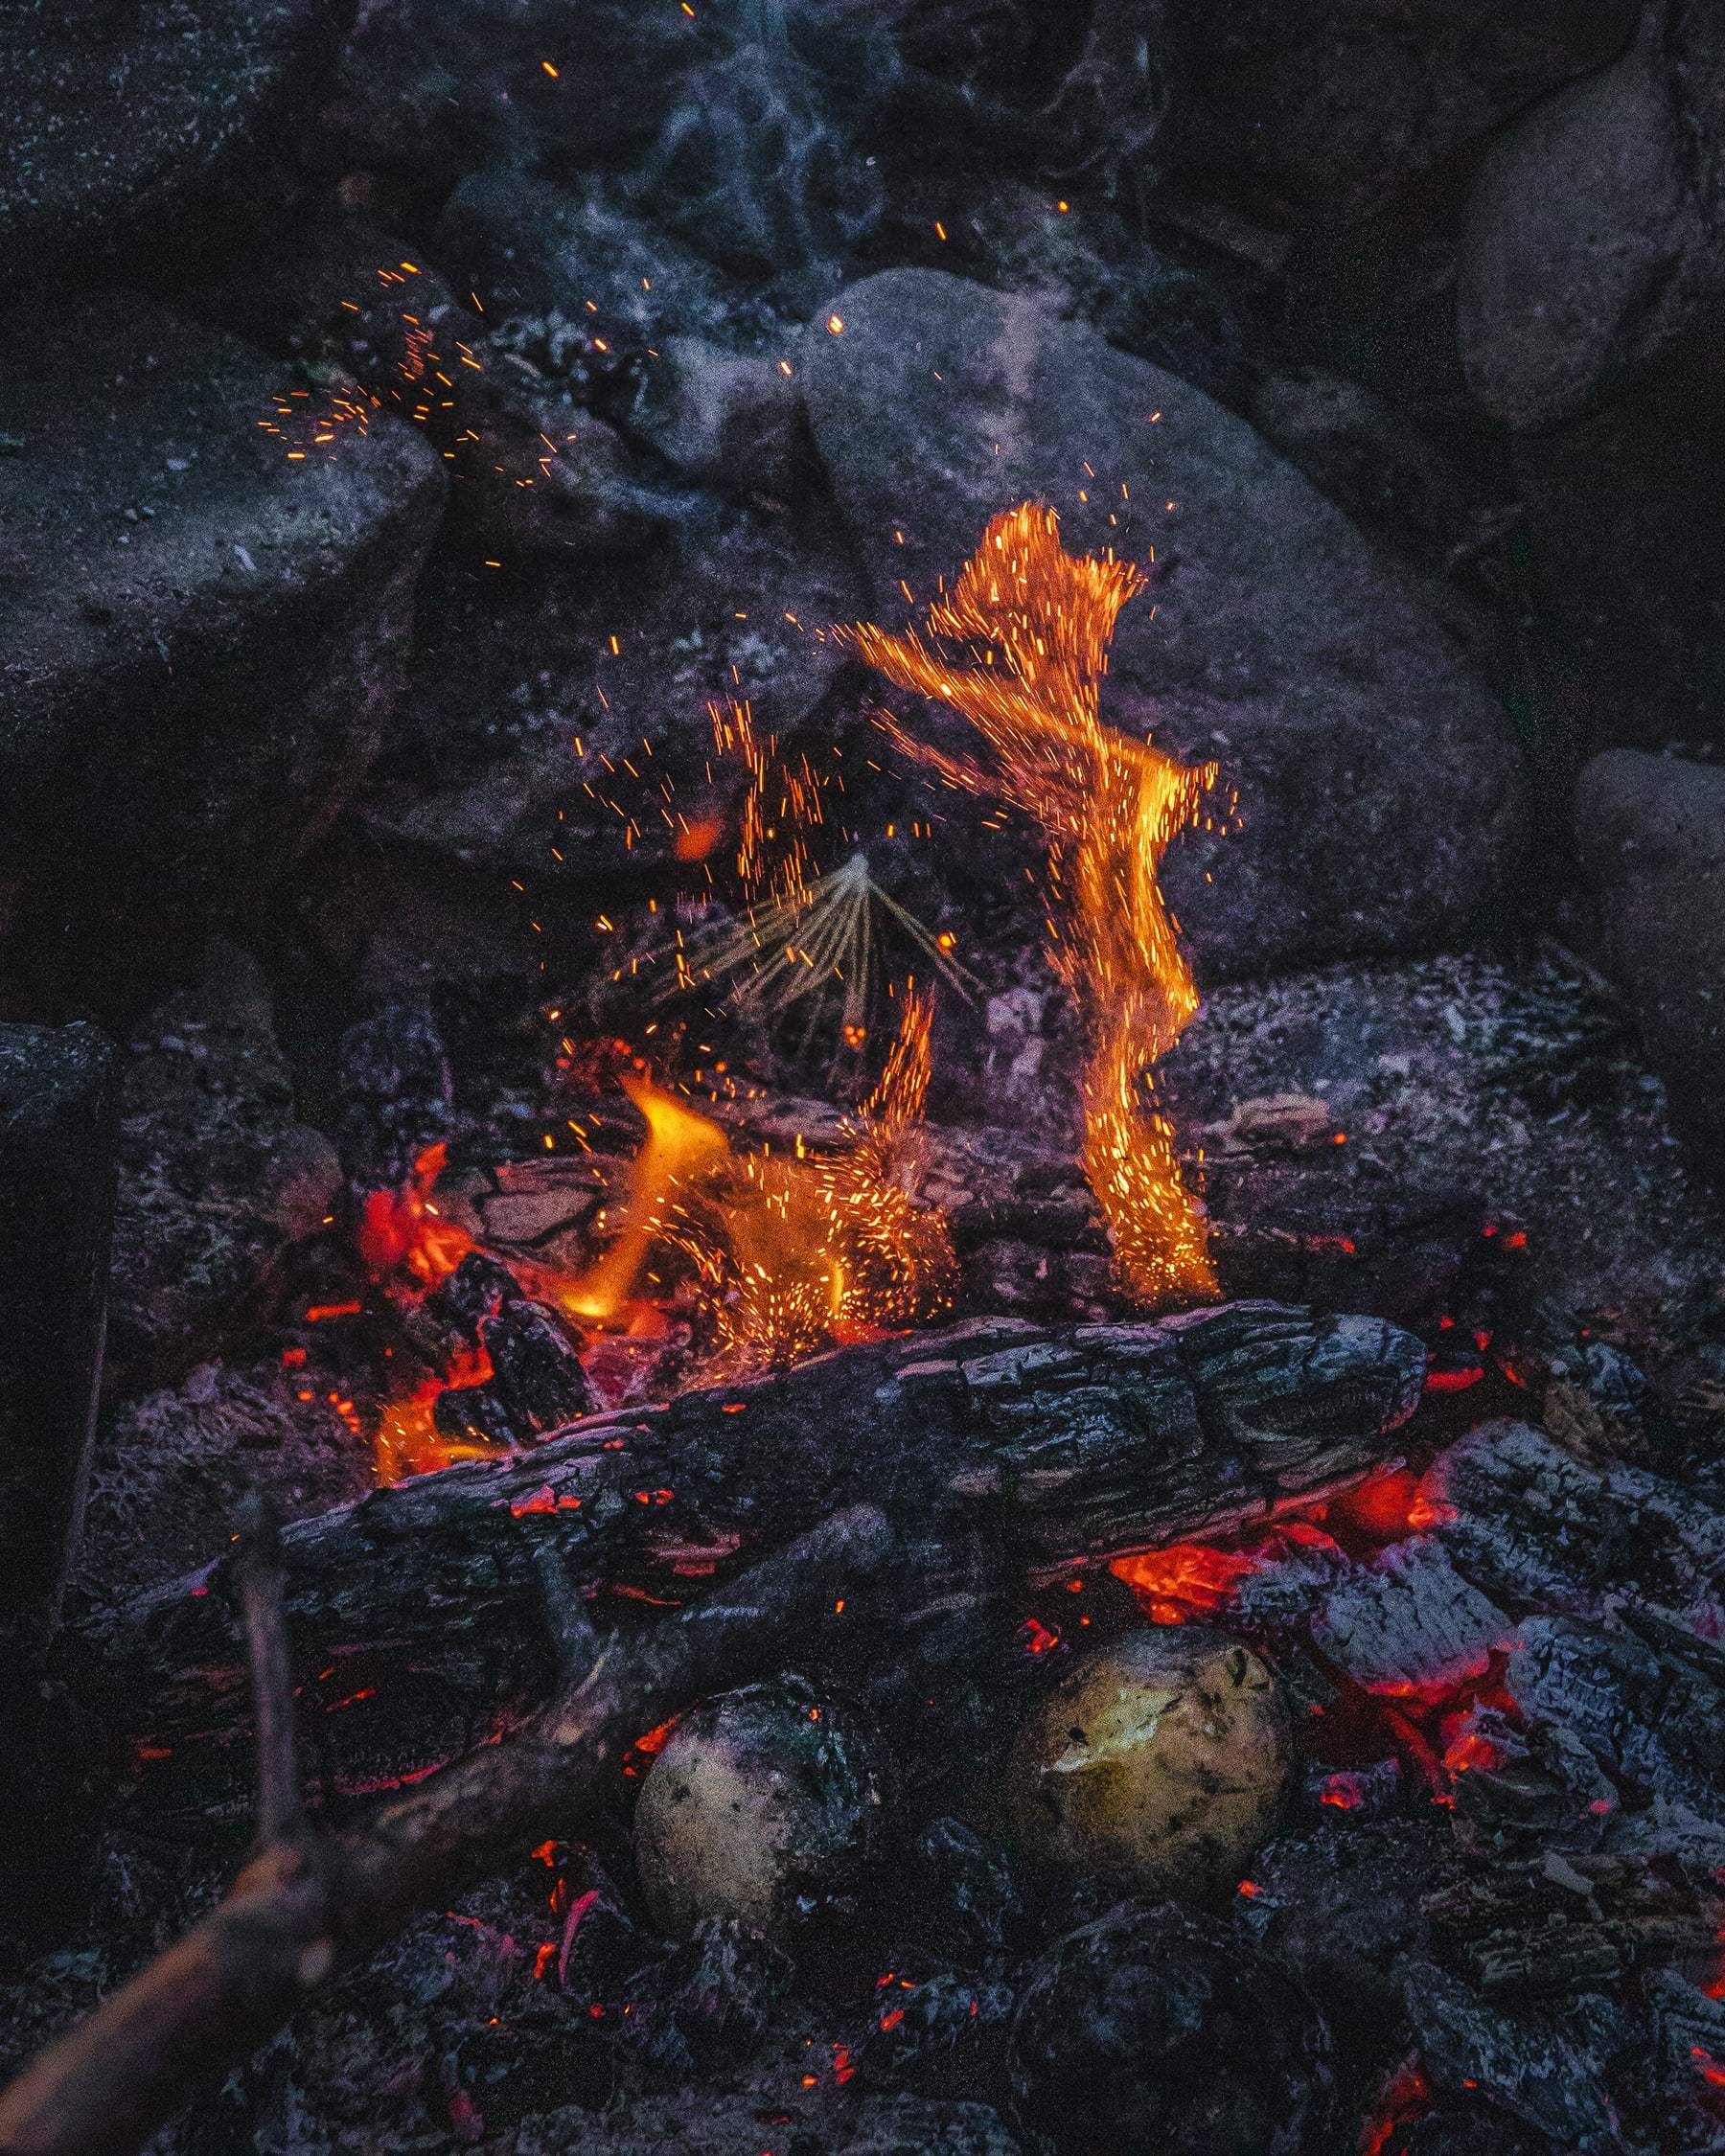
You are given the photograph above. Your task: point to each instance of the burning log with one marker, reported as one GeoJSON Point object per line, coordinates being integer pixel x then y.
{"type": "Point", "coordinates": [309, 1902]}
{"type": "Point", "coordinates": [993, 1443]}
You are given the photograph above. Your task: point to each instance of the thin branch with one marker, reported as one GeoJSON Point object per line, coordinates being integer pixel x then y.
{"type": "Point", "coordinates": [296, 1916]}
{"type": "Point", "coordinates": [262, 1580]}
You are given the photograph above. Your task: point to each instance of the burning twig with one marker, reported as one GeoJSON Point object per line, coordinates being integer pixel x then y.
{"type": "Point", "coordinates": [307, 1905]}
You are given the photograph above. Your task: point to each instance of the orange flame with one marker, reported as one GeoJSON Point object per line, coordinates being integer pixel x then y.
{"type": "Point", "coordinates": [791, 1254]}
{"type": "Point", "coordinates": [1031, 626]}
{"type": "Point", "coordinates": [680, 1146]}
{"type": "Point", "coordinates": [402, 1233]}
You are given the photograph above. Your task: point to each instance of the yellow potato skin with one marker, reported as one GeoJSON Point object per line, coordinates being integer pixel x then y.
{"type": "Point", "coordinates": [1162, 1758]}
{"type": "Point", "coordinates": [765, 1804]}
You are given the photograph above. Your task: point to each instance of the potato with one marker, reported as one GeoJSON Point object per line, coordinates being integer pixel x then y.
{"type": "Point", "coordinates": [766, 1805]}
{"type": "Point", "coordinates": [1162, 1759]}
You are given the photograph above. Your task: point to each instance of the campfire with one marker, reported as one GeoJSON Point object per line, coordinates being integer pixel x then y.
{"type": "Point", "coordinates": [877, 1314]}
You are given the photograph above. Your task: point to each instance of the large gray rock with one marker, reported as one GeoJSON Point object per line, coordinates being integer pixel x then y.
{"type": "Point", "coordinates": [1325, 109]}
{"type": "Point", "coordinates": [1377, 780]}
{"type": "Point", "coordinates": [1596, 232]}
{"type": "Point", "coordinates": [1651, 834]}
{"type": "Point", "coordinates": [203, 639]}
{"type": "Point", "coordinates": [218, 1175]}
{"type": "Point", "coordinates": [118, 121]}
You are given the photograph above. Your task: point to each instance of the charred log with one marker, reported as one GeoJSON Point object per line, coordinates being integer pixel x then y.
{"type": "Point", "coordinates": [1647, 1702]}
{"type": "Point", "coordinates": [1529, 1522]}
{"type": "Point", "coordinates": [1555, 1926]}
{"type": "Point", "coordinates": [996, 1444]}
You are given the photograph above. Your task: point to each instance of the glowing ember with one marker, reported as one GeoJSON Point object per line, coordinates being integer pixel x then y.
{"type": "Point", "coordinates": [1019, 650]}
{"type": "Point", "coordinates": [404, 1239]}
{"type": "Point", "coordinates": [1186, 1579]}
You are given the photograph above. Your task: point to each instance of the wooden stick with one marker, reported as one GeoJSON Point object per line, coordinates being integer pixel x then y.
{"type": "Point", "coordinates": [307, 1905]}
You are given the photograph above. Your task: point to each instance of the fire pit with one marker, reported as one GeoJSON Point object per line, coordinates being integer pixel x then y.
{"type": "Point", "coordinates": [865, 1288]}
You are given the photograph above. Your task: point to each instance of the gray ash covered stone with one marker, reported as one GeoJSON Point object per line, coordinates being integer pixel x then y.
{"type": "Point", "coordinates": [1377, 779]}
{"type": "Point", "coordinates": [119, 123]}
{"type": "Point", "coordinates": [1340, 1905]}
{"type": "Point", "coordinates": [721, 2123]}
{"type": "Point", "coordinates": [1518, 1088]}
{"type": "Point", "coordinates": [708, 2005]}
{"type": "Point", "coordinates": [203, 638]}
{"type": "Point", "coordinates": [217, 1176]}
{"type": "Point", "coordinates": [172, 1467]}
{"type": "Point", "coordinates": [1651, 834]}
{"type": "Point", "coordinates": [511, 677]}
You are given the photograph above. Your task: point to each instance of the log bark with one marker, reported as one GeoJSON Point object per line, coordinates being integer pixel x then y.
{"type": "Point", "coordinates": [1571, 1923]}
{"type": "Point", "coordinates": [417, 1605]}
{"type": "Point", "coordinates": [1531, 1525]}
{"type": "Point", "coordinates": [310, 1904]}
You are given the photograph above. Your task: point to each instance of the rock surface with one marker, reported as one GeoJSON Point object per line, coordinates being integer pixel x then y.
{"type": "Point", "coordinates": [1377, 779]}
{"type": "Point", "coordinates": [203, 639]}
{"type": "Point", "coordinates": [551, 718]}
{"type": "Point", "coordinates": [1325, 110]}
{"type": "Point", "coordinates": [1651, 834]}
{"type": "Point", "coordinates": [119, 122]}
{"type": "Point", "coordinates": [216, 1174]}
{"type": "Point", "coordinates": [1594, 232]}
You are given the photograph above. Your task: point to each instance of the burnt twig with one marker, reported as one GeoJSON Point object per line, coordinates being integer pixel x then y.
{"type": "Point", "coordinates": [297, 1913]}
{"type": "Point", "coordinates": [261, 1582]}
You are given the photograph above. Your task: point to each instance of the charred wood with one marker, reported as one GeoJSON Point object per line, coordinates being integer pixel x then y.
{"type": "Point", "coordinates": [1408, 1622]}
{"type": "Point", "coordinates": [1648, 1703]}
{"type": "Point", "coordinates": [310, 1903]}
{"type": "Point", "coordinates": [1529, 1523]}
{"type": "Point", "coordinates": [1555, 1926]}
{"type": "Point", "coordinates": [1545, 2065]}
{"type": "Point", "coordinates": [1006, 1449]}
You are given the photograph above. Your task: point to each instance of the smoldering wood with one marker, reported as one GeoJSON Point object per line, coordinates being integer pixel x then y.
{"type": "Point", "coordinates": [1529, 1522]}
{"type": "Point", "coordinates": [1558, 1925]}
{"type": "Point", "coordinates": [996, 1444]}
{"type": "Point", "coordinates": [58, 1106]}
{"type": "Point", "coordinates": [310, 1904]}
{"type": "Point", "coordinates": [1646, 1699]}
{"type": "Point", "coordinates": [1545, 2065]}
{"type": "Point", "coordinates": [1408, 1621]}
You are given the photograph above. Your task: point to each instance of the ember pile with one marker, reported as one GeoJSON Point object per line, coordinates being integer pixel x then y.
{"type": "Point", "coordinates": [860, 1007]}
